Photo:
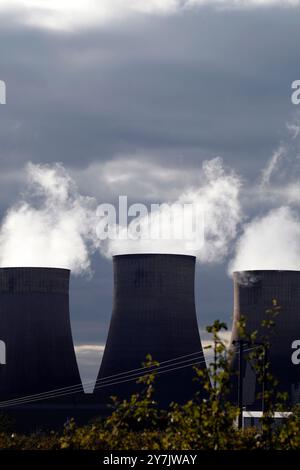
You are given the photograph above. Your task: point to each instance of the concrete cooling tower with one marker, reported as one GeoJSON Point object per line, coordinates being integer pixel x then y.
{"type": "Point", "coordinates": [253, 295]}
{"type": "Point", "coordinates": [153, 313]}
{"type": "Point", "coordinates": [35, 331]}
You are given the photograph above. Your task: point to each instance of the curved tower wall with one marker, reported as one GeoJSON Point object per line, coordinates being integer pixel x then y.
{"type": "Point", "coordinates": [253, 295]}
{"type": "Point", "coordinates": [35, 327]}
{"type": "Point", "coordinates": [153, 313]}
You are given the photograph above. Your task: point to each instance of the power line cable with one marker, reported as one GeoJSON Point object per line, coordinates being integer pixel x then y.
{"type": "Point", "coordinates": [59, 392]}
{"type": "Point", "coordinates": [108, 384]}
{"type": "Point", "coordinates": [47, 395]}
{"type": "Point", "coordinates": [113, 376]}
{"type": "Point", "coordinates": [129, 377]}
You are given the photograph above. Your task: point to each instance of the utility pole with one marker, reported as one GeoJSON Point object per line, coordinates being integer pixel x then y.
{"type": "Point", "coordinates": [215, 363]}
{"type": "Point", "coordinates": [263, 404]}
{"type": "Point", "coordinates": [240, 343]}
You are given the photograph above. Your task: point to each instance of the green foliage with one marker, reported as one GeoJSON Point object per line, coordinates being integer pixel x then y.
{"type": "Point", "coordinates": [37, 441]}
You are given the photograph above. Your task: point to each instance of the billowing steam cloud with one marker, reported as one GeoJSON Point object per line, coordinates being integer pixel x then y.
{"type": "Point", "coordinates": [52, 225]}
{"type": "Point", "coordinates": [217, 202]}
{"type": "Point", "coordinates": [272, 241]}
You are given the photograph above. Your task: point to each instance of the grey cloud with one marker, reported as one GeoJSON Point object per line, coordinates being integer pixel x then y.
{"type": "Point", "coordinates": [183, 86]}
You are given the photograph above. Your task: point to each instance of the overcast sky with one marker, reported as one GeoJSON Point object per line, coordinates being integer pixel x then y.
{"type": "Point", "coordinates": [131, 97]}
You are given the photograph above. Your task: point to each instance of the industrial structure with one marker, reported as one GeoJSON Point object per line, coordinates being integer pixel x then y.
{"type": "Point", "coordinates": [36, 332]}
{"type": "Point", "coordinates": [153, 313]}
{"type": "Point", "coordinates": [254, 294]}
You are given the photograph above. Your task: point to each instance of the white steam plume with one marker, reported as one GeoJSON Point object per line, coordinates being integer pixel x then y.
{"type": "Point", "coordinates": [272, 167]}
{"type": "Point", "coordinates": [270, 242]}
{"type": "Point", "coordinates": [218, 200]}
{"type": "Point", "coordinates": [51, 226]}
{"type": "Point", "coordinates": [54, 226]}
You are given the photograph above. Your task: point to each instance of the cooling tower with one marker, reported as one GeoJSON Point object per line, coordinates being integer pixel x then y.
{"type": "Point", "coordinates": [153, 313]}
{"type": "Point", "coordinates": [254, 292]}
{"type": "Point", "coordinates": [35, 328]}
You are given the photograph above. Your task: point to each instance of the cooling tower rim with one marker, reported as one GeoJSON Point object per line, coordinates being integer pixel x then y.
{"type": "Point", "coordinates": [138, 255]}
{"type": "Point", "coordinates": [33, 268]}
{"type": "Point", "coordinates": [266, 271]}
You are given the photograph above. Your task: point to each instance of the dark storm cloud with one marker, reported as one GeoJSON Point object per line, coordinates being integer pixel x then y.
{"type": "Point", "coordinates": [198, 83]}
{"type": "Point", "coordinates": [176, 89]}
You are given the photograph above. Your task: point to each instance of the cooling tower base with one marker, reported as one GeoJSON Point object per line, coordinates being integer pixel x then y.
{"type": "Point", "coordinates": [254, 296]}
{"type": "Point", "coordinates": [179, 386]}
{"type": "Point", "coordinates": [36, 332]}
